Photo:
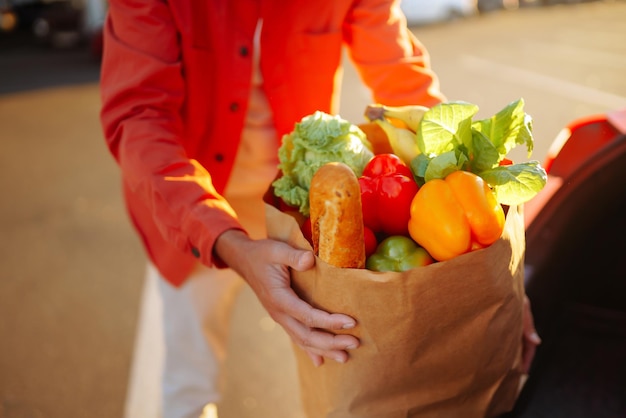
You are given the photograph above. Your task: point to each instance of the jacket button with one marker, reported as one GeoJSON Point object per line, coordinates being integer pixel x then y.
{"type": "Point", "coordinates": [234, 106]}
{"type": "Point", "coordinates": [219, 157]}
{"type": "Point", "coordinates": [243, 51]}
{"type": "Point", "coordinates": [195, 252]}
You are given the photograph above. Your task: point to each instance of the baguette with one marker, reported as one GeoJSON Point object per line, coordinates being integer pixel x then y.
{"type": "Point", "coordinates": [337, 216]}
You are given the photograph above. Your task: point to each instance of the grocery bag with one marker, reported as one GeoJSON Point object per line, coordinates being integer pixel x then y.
{"type": "Point", "coordinates": [443, 340]}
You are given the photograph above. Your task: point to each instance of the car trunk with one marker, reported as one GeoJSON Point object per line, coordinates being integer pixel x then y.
{"type": "Point", "coordinates": [576, 281]}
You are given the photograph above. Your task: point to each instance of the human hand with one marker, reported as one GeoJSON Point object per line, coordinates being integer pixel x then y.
{"type": "Point", "coordinates": [264, 265]}
{"type": "Point", "coordinates": [530, 338]}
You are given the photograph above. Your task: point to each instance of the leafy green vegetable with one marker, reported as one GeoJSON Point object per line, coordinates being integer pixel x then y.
{"type": "Point", "coordinates": [444, 127]}
{"type": "Point", "coordinates": [508, 128]}
{"type": "Point", "coordinates": [316, 140]}
{"type": "Point", "coordinates": [450, 140]}
{"type": "Point", "coordinates": [516, 183]}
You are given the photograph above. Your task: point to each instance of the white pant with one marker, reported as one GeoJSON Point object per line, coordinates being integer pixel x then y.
{"type": "Point", "coordinates": [180, 344]}
{"type": "Point", "coordinates": [183, 334]}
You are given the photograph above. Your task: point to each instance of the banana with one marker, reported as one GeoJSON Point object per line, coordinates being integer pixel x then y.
{"type": "Point", "coordinates": [410, 115]}
{"type": "Point", "coordinates": [403, 142]}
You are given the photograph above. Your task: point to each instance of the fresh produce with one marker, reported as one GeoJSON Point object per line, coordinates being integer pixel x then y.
{"type": "Point", "coordinates": [447, 139]}
{"type": "Point", "coordinates": [439, 178]}
{"type": "Point", "coordinates": [377, 137]}
{"type": "Point", "coordinates": [401, 139]}
{"type": "Point", "coordinates": [410, 115]}
{"type": "Point", "coordinates": [451, 217]}
{"type": "Point", "coordinates": [316, 140]}
{"type": "Point", "coordinates": [398, 253]}
{"type": "Point", "coordinates": [370, 240]}
{"type": "Point", "coordinates": [387, 189]}
{"type": "Point", "coordinates": [461, 167]}
{"type": "Point", "coordinates": [336, 216]}
{"type": "Point", "coordinates": [450, 140]}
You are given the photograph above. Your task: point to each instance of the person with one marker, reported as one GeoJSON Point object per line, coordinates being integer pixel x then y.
{"type": "Point", "coordinates": [196, 96]}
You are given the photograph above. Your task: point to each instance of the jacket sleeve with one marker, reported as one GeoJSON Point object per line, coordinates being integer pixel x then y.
{"type": "Point", "coordinates": [142, 92]}
{"type": "Point", "coordinates": [389, 58]}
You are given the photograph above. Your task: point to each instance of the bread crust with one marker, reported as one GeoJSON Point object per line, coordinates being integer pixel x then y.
{"type": "Point", "coordinates": [337, 216]}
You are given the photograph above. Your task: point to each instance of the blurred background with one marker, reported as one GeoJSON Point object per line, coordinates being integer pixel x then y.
{"type": "Point", "coordinates": [71, 268]}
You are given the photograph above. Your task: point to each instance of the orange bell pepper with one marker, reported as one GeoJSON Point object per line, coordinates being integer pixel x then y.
{"type": "Point", "coordinates": [455, 215]}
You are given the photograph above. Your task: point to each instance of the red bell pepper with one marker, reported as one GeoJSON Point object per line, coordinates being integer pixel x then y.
{"type": "Point", "coordinates": [387, 189]}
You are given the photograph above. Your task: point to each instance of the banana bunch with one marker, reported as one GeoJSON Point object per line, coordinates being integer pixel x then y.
{"type": "Point", "coordinates": [402, 139]}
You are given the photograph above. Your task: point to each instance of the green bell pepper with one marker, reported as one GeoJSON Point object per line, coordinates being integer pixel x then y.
{"type": "Point", "coordinates": [398, 253]}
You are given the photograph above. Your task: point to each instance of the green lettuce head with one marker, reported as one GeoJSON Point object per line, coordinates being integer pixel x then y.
{"type": "Point", "coordinates": [316, 140]}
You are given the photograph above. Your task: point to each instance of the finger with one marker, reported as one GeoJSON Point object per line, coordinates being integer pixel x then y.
{"type": "Point", "coordinates": [528, 353]}
{"type": "Point", "coordinates": [530, 338]}
{"type": "Point", "coordinates": [533, 337]}
{"type": "Point", "coordinates": [319, 342]}
{"type": "Point", "coordinates": [319, 339]}
{"type": "Point", "coordinates": [304, 260]}
{"type": "Point", "coordinates": [287, 300]}
{"type": "Point", "coordinates": [299, 260]}
{"type": "Point", "coordinates": [530, 332]}
{"type": "Point", "coordinates": [311, 317]}
{"type": "Point", "coordinates": [318, 356]}
{"type": "Point", "coordinates": [315, 358]}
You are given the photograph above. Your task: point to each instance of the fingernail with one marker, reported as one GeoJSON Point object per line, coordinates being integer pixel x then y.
{"type": "Point", "coordinates": [535, 338]}
{"type": "Point", "coordinates": [316, 362]}
{"type": "Point", "coordinates": [304, 260]}
{"type": "Point", "coordinates": [351, 347]}
{"type": "Point", "coordinates": [340, 359]}
{"type": "Point", "coordinates": [349, 325]}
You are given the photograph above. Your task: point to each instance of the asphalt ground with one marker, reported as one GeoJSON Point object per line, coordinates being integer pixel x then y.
{"type": "Point", "coordinates": [71, 268]}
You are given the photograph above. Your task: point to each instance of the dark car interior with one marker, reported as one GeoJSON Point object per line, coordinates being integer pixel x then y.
{"type": "Point", "coordinates": [576, 281]}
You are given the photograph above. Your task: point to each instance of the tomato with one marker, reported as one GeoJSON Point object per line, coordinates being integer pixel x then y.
{"type": "Point", "coordinates": [370, 241]}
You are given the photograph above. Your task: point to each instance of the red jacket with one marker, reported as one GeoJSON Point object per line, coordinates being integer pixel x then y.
{"type": "Point", "coordinates": [175, 83]}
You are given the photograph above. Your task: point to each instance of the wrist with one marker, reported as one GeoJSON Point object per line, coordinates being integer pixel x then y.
{"type": "Point", "coordinates": [229, 245]}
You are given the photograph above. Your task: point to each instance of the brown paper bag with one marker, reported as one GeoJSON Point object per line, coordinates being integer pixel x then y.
{"type": "Point", "coordinates": [437, 341]}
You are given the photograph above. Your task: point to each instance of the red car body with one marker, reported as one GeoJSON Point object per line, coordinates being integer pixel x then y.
{"type": "Point", "coordinates": [576, 275]}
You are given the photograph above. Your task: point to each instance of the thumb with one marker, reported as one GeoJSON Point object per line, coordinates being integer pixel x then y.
{"type": "Point", "coordinates": [301, 260]}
